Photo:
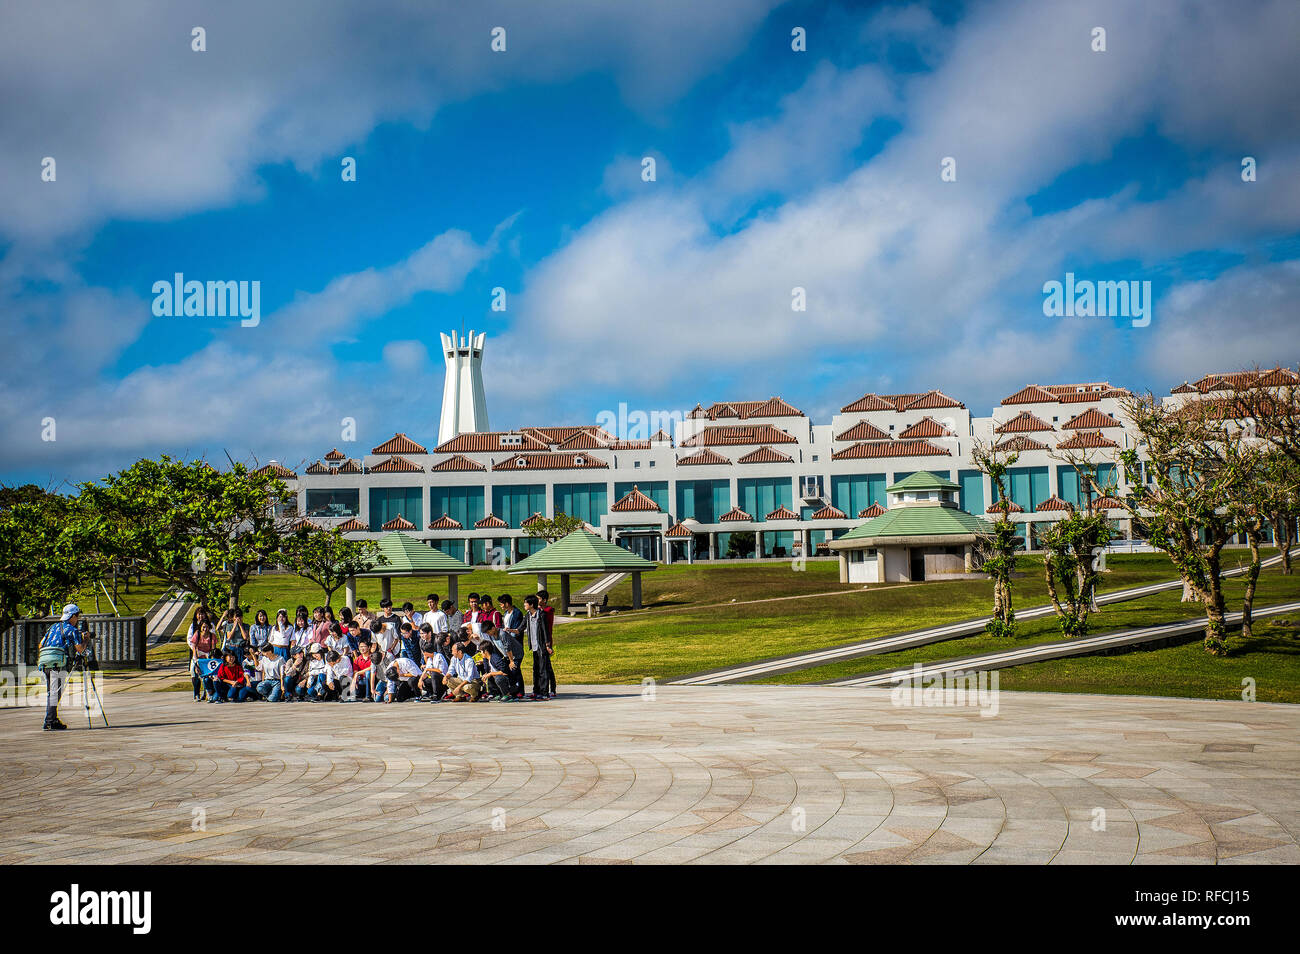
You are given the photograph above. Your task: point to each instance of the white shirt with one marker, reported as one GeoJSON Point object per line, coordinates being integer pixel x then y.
{"type": "Point", "coordinates": [302, 637]}
{"type": "Point", "coordinates": [281, 637]}
{"type": "Point", "coordinates": [438, 661]}
{"type": "Point", "coordinates": [463, 668]}
{"type": "Point", "coordinates": [405, 667]}
{"type": "Point", "coordinates": [270, 667]}
{"type": "Point", "coordinates": [343, 668]}
{"type": "Point", "coordinates": [438, 621]}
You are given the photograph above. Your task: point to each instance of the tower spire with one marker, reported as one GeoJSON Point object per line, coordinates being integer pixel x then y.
{"type": "Point", "coordinates": [464, 407]}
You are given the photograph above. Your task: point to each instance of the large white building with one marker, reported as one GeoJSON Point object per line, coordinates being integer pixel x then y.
{"type": "Point", "coordinates": [753, 467]}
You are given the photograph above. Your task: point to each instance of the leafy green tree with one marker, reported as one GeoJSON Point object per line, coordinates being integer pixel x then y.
{"type": "Point", "coordinates": [554, 528]}
{"type": "Point", "coordinates": [999, 549]}
{"type": "Point", "coordinates": [740, 544]}
{"type": "Point", "coordinates": [194, 527]}
{"type": "Point", "coordinates": [327, 557]}
{"type": "Point", "coordinates": [1069, 552]}
{"type": "Point", "coordinates": [1201, 470]}
{"type": "Point", "coordinates": [42, 560]}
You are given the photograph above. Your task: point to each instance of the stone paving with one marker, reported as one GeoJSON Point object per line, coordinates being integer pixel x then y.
{"type": "Point", "coordinates": [774, 774]}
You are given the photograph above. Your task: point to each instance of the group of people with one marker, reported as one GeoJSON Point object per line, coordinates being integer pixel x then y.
{"type": "Point", "coordinates": [440, 654]}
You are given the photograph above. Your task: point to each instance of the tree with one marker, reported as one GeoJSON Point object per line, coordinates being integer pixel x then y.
{"type": "Point", "coordinates": [999, 548]}
{"type": "Point", "coordinates": [1070, 546]}
{"type": "Point", "coordinates": [327, 557]}
{"type": "Point", "coordinates": [196, 528]}
{"type": "Point", "coordinates": [1268, 404]}
{"type": "Point", "coordinates": [42, 561]}
{"type": "Point", "coordinates": [551, 529]}
{"type": "Point", "coordinates": [740, 544]}
{"type": "Point", "coordinates": [1200, 469]}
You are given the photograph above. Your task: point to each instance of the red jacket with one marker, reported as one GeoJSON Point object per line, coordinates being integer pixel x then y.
{"type": "Point", "coordinates": [233, 673]}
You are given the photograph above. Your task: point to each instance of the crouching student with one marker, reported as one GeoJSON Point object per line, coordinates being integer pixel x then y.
{"type": "Point", "coordinates": [316, 669]}
{"type": "Point", "coordinates": [462, 676]}
{"type": "Point", "coordinates": [294, 677]}
{"type": "Point", "coordinates": [432, 684]}
{"type": "Point", "coordinates": [361, 672]}
{"type": "Point", "coordinates": [494, 665]}
{"type": "Point", "coordinates": [401, 680]}
{"type": "Point", "coordinates": [338, 676]}
{"type": "Point", "coordinates": [270, 675]}
{"type": "Point", "coordinates": [229, 684]}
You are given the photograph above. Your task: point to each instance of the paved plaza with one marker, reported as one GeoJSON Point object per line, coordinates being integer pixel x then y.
{"type": "Point", "coordinates": [694, 774]}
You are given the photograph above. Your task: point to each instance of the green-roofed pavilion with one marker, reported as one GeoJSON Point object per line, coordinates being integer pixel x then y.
{"type": "Point", "coordinates": [584, 552]}
{"type": "Point", "coordinates": [407, 556]}
{"type": "Point", "coordinates": [922, 536]}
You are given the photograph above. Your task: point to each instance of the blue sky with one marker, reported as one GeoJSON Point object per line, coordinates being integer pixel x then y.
{"type": "Point", "coordinates": [521, 169]}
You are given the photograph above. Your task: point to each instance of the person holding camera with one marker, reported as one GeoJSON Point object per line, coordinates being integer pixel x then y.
{"type": "Point", "coordinates": [59, 646]}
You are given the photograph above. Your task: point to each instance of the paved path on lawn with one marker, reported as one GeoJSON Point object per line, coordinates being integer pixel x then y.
{"type": "Point", "coordinates": [920, 637]}
{"type": "Point", "coordinates": [604, 775]}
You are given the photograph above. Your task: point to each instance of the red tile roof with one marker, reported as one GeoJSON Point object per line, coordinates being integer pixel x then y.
{"type": "Point", "coordinates": [1091, 419]}
{"type": "Point", "coordinates": [782, 513]}
{"type": "Point", "coordinates": [455, 462]}
{"type": "Point", "coordinates": [348, 467]}
{"type": "Point", "coordinates": [1021, 443]}
{"type": "Point", "coordinates": [399, 443]}
{"type": "Point", "coordinates": [535, 519]}
{"type": "Point", "coordinates": [1107, 502]}
{"type": "Point", "coordinates": [925, 427]}
{"type": "Point", "coordinates": [491, 522]}
{"type": "Point", "coordinates": [998, 507]}
{"type": "Point", "coordinates": [868, 402]}
{"type": "Point", "coordinates": [1236, 380]}
{"type": "Point", "coordinates": [336, 454]}
{"type": "Point", "coordinates": [705, 456]}
{"type": "Point", "coordinates": [489, 441]}
{"type": "Point", "coordinates": [764, 455]}
{"type": "Point", "coordinates": [1022, 423]}
{"type": "Point", "coordinates": [1064, 393]}
{"type": "Point", "coordinates": [722, 434]}
{"type": "Point", "coordinates": [1052, 503]}
{"type": "Point", "coordinates": [875, 510]}
{"type": "Point", "coordinates": [318, 468]}
{"type": "Point", "coordinates": [1086, 439]}
{"type": "Point", "coordinates": [871, 449]}
{"type": "Point", "coordinates": [583, 440]}
{"type": "Point", "coordinates": [923, 402]}
{"type": "Point", "coordinates": [863, 431]}
{"type": "Point", "coordinates": [446, 523]}
{"type": "Point", "coordinates": [829, 513]}
{"type": "Point", "coordinates": [399, 523]}
{"type": "Point", "coordinates": [551, 461]}
{"type": "Point", "coordinates": [1032, 394]}
{"type": "Point", "coordinates": [660, 437]}
{"type": "Point", "coordinates": [635, 502]}
{"type": "Point", "coordinates": [303, 524]}
{"type": "Point", "coordinates": [352, 525]}
{"type": "Point", "coordinates": [772, 407]}
{"type": "Point", "coordinates": [279, 470]}
{"type": "Point", "coordinates": [735, 513]}
{"type": "Point", "coordinates": [678, 530]}
{"type": "Point", "coordinates": [1184, 388]}
{"type": "Point", "coordinates": [395, 465]}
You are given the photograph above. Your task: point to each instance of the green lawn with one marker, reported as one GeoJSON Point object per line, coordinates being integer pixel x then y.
{"type": "Point", "coordinates": [136, 603]}
{"type": "Point", "coordinates": [674, 642]}
{"type": "Point", "coordinates": [1148, 611]}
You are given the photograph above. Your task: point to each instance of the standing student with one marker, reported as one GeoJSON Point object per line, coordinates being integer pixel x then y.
{"type": "Point", "coordinates": [544, 600]}
{"type": "Point", "coordinates": [281, 637]}
{"type": "Point", "coordinates": [302, 630]}
{"type": "Point", "coordinates": [434, 605]}
{"type": "Point", "coordinates": [202, 645]}
{"type": "Point", "coordinates": [512, 635]}
{"type": "Point", "coordinates": [539, 644]}
{"type": "Point", "coordinates": [234, 634]}
{"type": "Point", "coordinates": [259, 634]}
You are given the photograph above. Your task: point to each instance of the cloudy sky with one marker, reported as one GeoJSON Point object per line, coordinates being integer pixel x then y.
{"type": "Point", "coordinates": [522, 169]}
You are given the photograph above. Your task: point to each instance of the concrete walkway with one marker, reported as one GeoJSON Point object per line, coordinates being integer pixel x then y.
{"type": "Point", "coordinates": [609, 775]}
{"type": "Point", "coordinates": [920, 637]}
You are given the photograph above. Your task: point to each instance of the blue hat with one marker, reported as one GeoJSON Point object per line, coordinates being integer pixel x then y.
{"type": "Point", "coordinates": [71, 610]}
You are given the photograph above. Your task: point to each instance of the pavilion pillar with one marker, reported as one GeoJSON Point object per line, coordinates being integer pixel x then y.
{"type": "Point", "coordinates": [844, 566]}
{"type": "Point", "coordinates": [564, 593]}
{"type": "Point", "coordinates": [468, 548]}
{"type": "Point", "coordinates": [453, 584]}
{"type": "Point", "coordinates": [668, 550]}
{"type": "Point", "coordinates": [967, 559]}
{"type": "Point", "coordinates": [758, 544]}
{"type": "Point", "coordinates": [514, 550]}
{"type": "Point", "coordinates": [690, 550]}
{"type": "Point", "coordinates": [636, 589]}
{"type": "Point", "coordinates": [350, 593]}
{"type": "Point", "coordinates": [541, 582]}
{"type": "Point", "coordinates": [386, 587]}
{"type": "Point", "coordinates": [713, 546]}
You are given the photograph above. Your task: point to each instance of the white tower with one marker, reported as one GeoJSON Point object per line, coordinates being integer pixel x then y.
{"type": "Point", "coordinates": [464, 409]}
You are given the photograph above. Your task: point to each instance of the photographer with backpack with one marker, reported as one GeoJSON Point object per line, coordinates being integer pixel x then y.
{"type": "Point", "coordinates": [59, 645]}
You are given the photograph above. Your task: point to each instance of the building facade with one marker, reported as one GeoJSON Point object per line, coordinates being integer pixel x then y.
{"type": "Point", "coordinates": [737, 479]}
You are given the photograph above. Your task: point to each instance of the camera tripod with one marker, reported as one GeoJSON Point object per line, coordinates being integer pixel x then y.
{"type": "Point", "coordinates": [87, 683]}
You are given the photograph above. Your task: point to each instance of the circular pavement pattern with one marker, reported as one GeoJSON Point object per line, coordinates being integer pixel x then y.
{"type": "Point", "coordinates": [724, 774]}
